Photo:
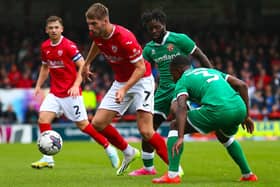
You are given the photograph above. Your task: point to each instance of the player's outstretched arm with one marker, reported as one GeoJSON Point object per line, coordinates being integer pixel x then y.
{"type": "Point", "coordinates": [201, 57]}
{"type": "Point", "coordinates": [92, 53]}
{"type": "Point", "coordinates": [75, 89]}
{"type": "Point", "coordinates": [43, 75]}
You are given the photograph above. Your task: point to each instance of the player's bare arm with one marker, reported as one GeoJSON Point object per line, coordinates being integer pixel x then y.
{"type": "Point", "coordinates": [43, 75]}
{"type": "Point", "coordinates": [74, 91]}
{"type": "Point", "coordinates": [201, 57]}
{"type": "Point", "coordinates": [92, 53]}
{"type": "Point", "coordinates": [138, 73]}
{"type": "Point", "coordinates": [241, 87]}
{"type": "Point", "coordinates": [181, 121]}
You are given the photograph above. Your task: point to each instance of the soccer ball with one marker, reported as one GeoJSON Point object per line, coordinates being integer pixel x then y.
{"type": "Point", "coordinates": [49, 142]}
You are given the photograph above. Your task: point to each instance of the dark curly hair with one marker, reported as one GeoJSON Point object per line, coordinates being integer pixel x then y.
{"type": "Point", "coordinates": [156, 14]}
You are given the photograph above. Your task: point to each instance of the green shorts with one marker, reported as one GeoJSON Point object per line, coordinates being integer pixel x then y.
{"type": "Point", "coordinates": [163, 99]}
{"type": "Point", "coordinates": [206, 119]}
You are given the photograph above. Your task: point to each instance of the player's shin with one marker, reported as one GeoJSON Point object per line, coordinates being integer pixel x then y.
{"type": "Point", "coordinates": [114, 137]}
{"type": "Point", "coordinates": [44, 127]}
{"type": "Point", "coordinates": [174, 160]}
{"type": "Point", "coordinates": [159, 144]}
{"type": "Point", "coordinates": [99, 138]}
{"type": "Point", "coordinates": [235, 151]}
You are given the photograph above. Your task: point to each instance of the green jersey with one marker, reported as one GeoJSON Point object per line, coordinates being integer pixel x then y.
{"type": "Point", "coordinates": [207, 87]}
{"type": "Point", "coordinates": [173, 44]}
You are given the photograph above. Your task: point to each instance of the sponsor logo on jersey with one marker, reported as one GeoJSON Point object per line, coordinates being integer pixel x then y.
{"type": "Point", "coordinates": [112, 59]}
{"type": "Point", "coordinates": [55, 64]}
{"type": "Point", "coordinates": [166, 57]}
{"type": "Point", "coordinates": [153, 51]}
{"type": "Point", "coordinates": [128, 43]}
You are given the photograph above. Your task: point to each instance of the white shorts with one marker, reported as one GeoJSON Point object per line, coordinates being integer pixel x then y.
{"type": "Point", "coordinates": [73, 108]}
{"type": "Point", "coordinates": [141, 95]}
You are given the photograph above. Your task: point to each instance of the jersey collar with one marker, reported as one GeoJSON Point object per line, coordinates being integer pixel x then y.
{"type": "Point", "coordinates": [164, 39]}
{"type": "Point", "coordinates": [56, 44]}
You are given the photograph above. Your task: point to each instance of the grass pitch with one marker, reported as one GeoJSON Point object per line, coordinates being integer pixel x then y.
{"type": "Point", "coordinates": [84, 164]}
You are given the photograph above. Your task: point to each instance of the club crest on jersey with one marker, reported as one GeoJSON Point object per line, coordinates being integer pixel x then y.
{"type": "Point", "coordinates": [114, 48]}
{"type": "Point", "coordinates": [59, 52]}
{"type": "Point", "coordinates": [170, 47]}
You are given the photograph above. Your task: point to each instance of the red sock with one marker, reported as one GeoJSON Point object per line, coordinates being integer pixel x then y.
{"type": "Point", "coordinates": [44, 127]}
{"type": "Point", "coordinates": [114, 137]}
{"type": "Point", "coordinates": [160, 146]}
{"type": "Point", "coordinates": [99, 138]}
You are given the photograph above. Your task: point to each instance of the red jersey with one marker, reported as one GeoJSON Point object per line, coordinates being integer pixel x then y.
{"type": "Point", "coordinates": [121, 49]}
{"type": "Point", "coordinates": [61, 58]}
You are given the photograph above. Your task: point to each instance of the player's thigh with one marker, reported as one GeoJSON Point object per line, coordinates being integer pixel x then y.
{"type": "Point", "coordinates": [109, 100]}
{"type": "Point", "coordinates": [201, 120]}
{"type": "Point", "coordinates": [143, 94]}
{"type": "Point", "coordinates": [73, 108]}
{"type": "Point", "coordinates": [49, 109]}
{"type": "Point", "coordinates": [46, 116]}
{"type": "Point", "coordinates": [162, 102]}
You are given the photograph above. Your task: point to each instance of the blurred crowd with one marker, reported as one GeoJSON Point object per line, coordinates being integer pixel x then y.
{"type": "Point", "coordinates": [251, 56]}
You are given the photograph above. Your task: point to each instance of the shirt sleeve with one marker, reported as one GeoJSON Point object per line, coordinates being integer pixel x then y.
{"type": "Point", "coordinates": [181, 88]}
{"type": "Point", "coordinates": [73, 52]}
{"type": "Point", "coordinates": [186, 44]}
{"type": "Point", "coordinates": [132, 48]}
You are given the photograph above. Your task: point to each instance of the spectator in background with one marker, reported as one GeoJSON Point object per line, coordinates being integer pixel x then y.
{"type": "Point", "coordinates": [31, 115]}
{"type": "Point", "coordinates": [9, 116]}
{"type": "Point", "coordinates": [89, 100]}
{"type": "Point", "coordinates": [14, 76]}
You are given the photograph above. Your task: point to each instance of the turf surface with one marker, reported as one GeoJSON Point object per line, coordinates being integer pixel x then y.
{"type": "Point", "coordinates": [85, 164]}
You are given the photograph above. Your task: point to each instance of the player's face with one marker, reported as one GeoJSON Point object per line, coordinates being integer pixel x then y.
{"type": "Point", "coordinates": [97, 27]}
{"type": "Point", "coordinates": [156, 30]}
{"type": "Point", "coordinates": [54, 30]}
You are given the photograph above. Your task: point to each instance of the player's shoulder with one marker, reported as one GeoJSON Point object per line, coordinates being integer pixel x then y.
{"type": "Point", "coordinates": [177, 35]}
{"type": "Point", "coordinates": [46, 43]}
{"type": "Point", "coordinates": [123, 34]}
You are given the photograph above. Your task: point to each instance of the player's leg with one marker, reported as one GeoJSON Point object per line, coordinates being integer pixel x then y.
{"type": "Point", "coordinates": [148, 152]}
{"type": "Point", "coordinates": [74, 109]}
{"type": "Point", "coordinates": [234, 149]}
{"type": "Point", "coordinates": [48, 111]}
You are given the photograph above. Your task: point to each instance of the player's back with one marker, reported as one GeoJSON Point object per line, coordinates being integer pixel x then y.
{"type": "Point", "coordinates": [209, 87]}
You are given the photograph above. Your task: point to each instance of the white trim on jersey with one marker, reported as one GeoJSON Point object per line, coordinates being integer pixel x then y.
{"type": "Point", "coordinates": [111, 34]}
{"type": "Point", "coordinates": [43, 62]}
{"type": "Point", "coordinates": [164, 39]}
{"type": "Point", "coordinates": [183, 93]}
{"type": "Point", "coordinates": [136, 59]}
{"type": "Point", "coordinates": [194, 48]}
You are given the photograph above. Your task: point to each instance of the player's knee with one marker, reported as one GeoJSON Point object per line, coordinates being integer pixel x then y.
{"type": "Point", "coordinates": [221, 137]}
{"type": "Point", "coordinates": [146, 133]}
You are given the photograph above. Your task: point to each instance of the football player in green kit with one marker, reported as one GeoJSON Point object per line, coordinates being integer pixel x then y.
{"type": "Point", "coordinates": [224, 105]}
{"type": "Point", "coordinates": [165, 45]}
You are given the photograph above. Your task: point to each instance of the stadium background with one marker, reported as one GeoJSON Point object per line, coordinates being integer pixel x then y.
{"type": "Point", "coordinates": [241, 37]}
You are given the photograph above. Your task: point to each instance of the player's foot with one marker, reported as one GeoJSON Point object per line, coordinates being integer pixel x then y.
{"type": "Point", "coordinates": [128, 159]}
{"type": "Point", "coordinates": [143, 171]}
{"type": "Point", "coordinates": [114, 157]}
{"type": "Point", "coordinates": [166, 179]}
{"type": "Point", "coordinates": [42, 163]}
{"type": "Point", "coordinates": [181, 171]}
{"type": "Point", "coordinates": [251, 177]}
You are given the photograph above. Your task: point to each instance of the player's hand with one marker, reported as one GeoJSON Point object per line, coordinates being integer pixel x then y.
{"type": "Point", "coordinates": [74, 91]}
{"type": "Point", "coordinates": [176, 147]}
{"type": "Point", "coordinates": [37, 91]}
{"type": "Point", "coordinates": [120, 95]}
{"type": "Point", "coordinates": [86, 73]}
{"type": "Point", "coordinates": [248, 124]}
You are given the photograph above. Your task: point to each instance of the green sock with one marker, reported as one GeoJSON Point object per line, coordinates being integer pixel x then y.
{"type": "Point", "coordinates": [236, 153]}
{"type": "Point", "coordinates": [173, 161]}
{"type": "Point", "coordinates": [148, 159]}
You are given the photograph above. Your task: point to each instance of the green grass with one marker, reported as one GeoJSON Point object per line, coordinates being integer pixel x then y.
{"type": "Point", "coordinates": [85, 164]}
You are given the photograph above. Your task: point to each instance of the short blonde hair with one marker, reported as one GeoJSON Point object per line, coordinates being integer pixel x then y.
{"type": "Point", "coordinates": [97, 11]}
